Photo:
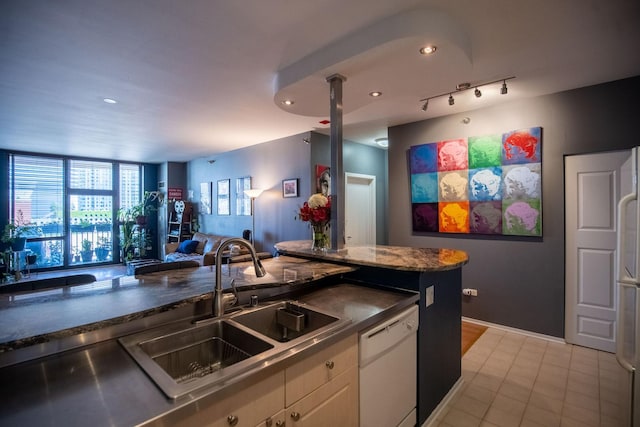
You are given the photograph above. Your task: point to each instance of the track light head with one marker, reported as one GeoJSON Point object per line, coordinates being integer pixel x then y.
{"type": "Point", "coordinates": [461, 87]}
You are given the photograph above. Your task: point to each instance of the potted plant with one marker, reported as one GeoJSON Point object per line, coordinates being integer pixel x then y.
{"type": "Point", "coordinates": [87, 250]}
{"type": "Point", "coordinates": [102, 250]}
{"type": "Point", "coordinates": [16, 232]}
{"type": "Point", "coordinates": [138, 212]}
{"type": "Point", "coordinates": [134, 239]}
{"type": "Point", "coordinates": [5, 265]}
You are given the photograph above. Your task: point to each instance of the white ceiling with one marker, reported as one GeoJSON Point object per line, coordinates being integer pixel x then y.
{"type": "Point", "coordinates": [199, 77]}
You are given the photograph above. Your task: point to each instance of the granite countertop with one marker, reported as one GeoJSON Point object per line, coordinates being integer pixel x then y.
{"type": "Point", "coordinates": [34, 318]}
{"type": "Point", "coordinates": [393, 257]}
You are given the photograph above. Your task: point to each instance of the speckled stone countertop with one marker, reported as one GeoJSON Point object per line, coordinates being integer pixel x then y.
{"type": "Point", "coordinates": [393, 257]}
{"type": "Point", "coordinates": [28, 319]}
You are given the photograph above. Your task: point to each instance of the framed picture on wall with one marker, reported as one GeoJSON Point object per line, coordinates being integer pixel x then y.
{"type": "Point", "coordinates": [205, 198]}
{"type": "Point", "coordinates": [243, 202]}
{"type": "Point", "coordinates": [223, 197]}
{"type": "Point", "coordinates": [290, 187]}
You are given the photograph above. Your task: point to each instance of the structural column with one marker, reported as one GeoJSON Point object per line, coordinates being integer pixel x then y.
{"type": "Point", "coordinates": [337, 169]}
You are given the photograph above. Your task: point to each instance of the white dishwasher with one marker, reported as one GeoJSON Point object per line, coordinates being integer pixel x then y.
{"type": "Point", "coordinates": [388, 371]}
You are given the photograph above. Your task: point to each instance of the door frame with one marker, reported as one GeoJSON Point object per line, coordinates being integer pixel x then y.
{"type": "Point", "coordinates": [370, 181]}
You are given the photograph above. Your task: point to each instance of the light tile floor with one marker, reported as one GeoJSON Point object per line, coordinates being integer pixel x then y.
{"type": "Point", "coordinates": [513, 380]}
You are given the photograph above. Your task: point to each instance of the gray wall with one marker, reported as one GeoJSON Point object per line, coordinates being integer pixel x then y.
{"type": "Point", "coordinates": [270, 163]}
{"type": "Point", "coordinates": [363, 159]}
{"type": "Point", "coordinates": [520, 281]}
{"type": "Point", "coordinates": [267, 164]}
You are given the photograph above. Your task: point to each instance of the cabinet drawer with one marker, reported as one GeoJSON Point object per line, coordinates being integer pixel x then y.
{"type": "Point", "coordinates": [333, 404]}
{"type": "Point", "coordinates": [247, 408]}
{"type": "Point", "coordinates": [320, 368]}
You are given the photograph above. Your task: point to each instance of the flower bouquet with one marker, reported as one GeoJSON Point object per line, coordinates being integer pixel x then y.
{"type": "Point", "coordinates": [317, 212]}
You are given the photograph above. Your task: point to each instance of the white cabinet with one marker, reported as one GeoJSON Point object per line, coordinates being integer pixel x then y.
{"type": "Point", "coordinates": [333, 404]}
{"type": "Point", "coordinates": [322, 389]}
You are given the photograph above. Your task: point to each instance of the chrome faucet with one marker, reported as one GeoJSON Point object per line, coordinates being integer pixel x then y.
{"type": "Point", "coordinates": [218, 297]}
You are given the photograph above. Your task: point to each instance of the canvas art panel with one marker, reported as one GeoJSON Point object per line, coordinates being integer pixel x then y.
{"type": "Point", "coordinates": [224, 207]}
{"type": "Point", "coordinates": [489, 184]}
{"type": "Point", "coordinates": [205, 198]}
{"type": "Point", "coordinates": [243, 202]}
{"type": "Point", "coordinates": [323, 180]}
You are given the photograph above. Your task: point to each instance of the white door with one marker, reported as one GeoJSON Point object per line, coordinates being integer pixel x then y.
{"type": "Point", "coordinates": [360, 209]}
{"type": "Point", "coordinates": [592, 191]}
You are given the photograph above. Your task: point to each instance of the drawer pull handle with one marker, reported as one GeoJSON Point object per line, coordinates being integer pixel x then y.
{"type": "Point", "coordinates": [295, 416]}
{"type": "Point", "coordinates": [232, 420]}
{"type": "Point", "coordinates": [280, 423]}
{"type": "Point", "coordinates": [329, 364]}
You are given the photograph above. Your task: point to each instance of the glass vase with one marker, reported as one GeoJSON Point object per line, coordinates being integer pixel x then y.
{"type": "Point", "coordinates": [320, 237]}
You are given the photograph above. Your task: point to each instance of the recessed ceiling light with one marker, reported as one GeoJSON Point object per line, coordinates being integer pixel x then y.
{"type": "Point", "coordinates": [382, 142]}
{"type": "Point", "coordinates": [375, 94]}
{"type": "Point", "coordinates": [288, 102]}
{"type": "Point", "coordinates": [428, 50]}
{"type": "Point", "coordinates": [110, 100]}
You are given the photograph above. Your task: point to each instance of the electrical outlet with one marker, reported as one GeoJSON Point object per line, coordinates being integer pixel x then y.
{"type": "Point", "coordinates": [430, 295]}
{"type": "Point", "coordinates": [470, 292]}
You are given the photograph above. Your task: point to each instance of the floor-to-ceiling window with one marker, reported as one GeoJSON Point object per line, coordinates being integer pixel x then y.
{"type": "Point", "coordinates": [69, 206]}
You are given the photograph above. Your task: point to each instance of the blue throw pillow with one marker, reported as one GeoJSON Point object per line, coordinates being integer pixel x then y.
{"type": "Point", "coordinates": [187, 247]}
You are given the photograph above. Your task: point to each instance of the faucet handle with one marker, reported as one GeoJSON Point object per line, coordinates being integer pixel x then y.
{"type": "Point", "coordinates": [260, 270]}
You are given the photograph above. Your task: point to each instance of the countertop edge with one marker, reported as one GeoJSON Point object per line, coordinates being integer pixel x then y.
{"type": "Point", "coordinates": [399, 258]}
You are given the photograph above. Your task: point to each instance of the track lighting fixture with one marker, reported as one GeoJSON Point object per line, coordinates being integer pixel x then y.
{"type": "Point", "coordinates": [461, 87]}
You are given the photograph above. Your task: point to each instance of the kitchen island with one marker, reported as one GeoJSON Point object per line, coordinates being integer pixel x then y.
{"type": "Point", "coordinates": [63, 364]}
{"type": "Point", "coordinates": [436, 273]}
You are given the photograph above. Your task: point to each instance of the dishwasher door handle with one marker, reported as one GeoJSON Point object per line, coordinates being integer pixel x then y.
{"type": "Point", "coordinates": [382, 329]}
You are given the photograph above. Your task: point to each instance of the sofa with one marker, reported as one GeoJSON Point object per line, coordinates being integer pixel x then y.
{"type": "Point", "coordinates": [205, 250]}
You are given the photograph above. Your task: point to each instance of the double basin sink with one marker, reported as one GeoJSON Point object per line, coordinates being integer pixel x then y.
{"type": "Point", "coordinates": [183, 357]}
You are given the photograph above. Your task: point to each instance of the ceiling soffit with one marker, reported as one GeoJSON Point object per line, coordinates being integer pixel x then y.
{"type": "Point", "coordinates": [369, 58]}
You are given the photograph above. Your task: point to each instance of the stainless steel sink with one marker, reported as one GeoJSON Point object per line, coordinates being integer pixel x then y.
{"type": "Point", "coordinates": [181, 359]}
{"type": "Point", "coordinates": [285, 321]}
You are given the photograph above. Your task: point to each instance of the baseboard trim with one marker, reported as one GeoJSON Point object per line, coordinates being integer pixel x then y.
{"type": "Point", "coordinates": [432, 420]}
{"type": "Point", "coordinates": [515, 330]}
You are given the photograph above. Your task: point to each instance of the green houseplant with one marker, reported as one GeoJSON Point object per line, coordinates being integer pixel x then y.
{"type": "Point", "coordinates": [102, 250]}
{"type": "Point", "coordinates": [16, 232]}
{"type": "Point", "coordinates": [134, 238]}
{"type": "Point", "coordinates": [87, 250]}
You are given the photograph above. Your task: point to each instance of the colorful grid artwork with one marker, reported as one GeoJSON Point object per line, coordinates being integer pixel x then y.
{"type": "Point", "coordinates": [488, 184]}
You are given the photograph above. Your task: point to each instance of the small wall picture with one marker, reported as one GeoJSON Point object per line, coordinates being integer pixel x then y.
{"type": "Point", "coordinates": [290, 187]}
